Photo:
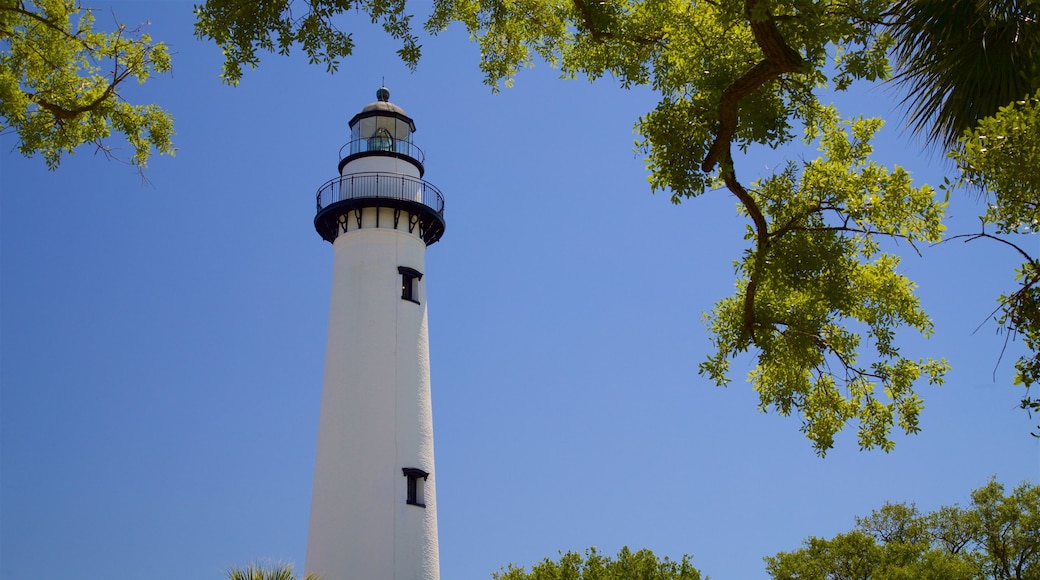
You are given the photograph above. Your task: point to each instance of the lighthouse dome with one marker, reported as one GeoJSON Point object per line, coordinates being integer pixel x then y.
{"type": "Point", "coordinates": [382, 103]}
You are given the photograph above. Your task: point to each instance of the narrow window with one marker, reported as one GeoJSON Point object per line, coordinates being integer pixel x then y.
{"type": "Point", "coordinates": [416, 482]}
{"type": "Point", "coordinates": [410, 283]}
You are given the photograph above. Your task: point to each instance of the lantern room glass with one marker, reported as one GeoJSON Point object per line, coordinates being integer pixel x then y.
{"type": "Point", "coordinates": [381, 133]}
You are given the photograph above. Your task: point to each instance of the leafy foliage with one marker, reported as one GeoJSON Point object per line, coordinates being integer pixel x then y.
{"type": "Point", "coordinates": [60, 81]}
{"type": "Point", "coordinates": [816, 277]}
{"type": "Point", "coordinates": [260, 572]}
{"type": "Point", "coordinates": [971, 75]}
{"type": "Point", "coordinates": [242, 27]}
{"type": "Point", "coordinates": [997, 537]}
{"type": "Point", "coordinates": [738, 73]}
{"type": "Point", "coordinates": [628, 565]}
{"type": "Point", "coordinates": [1000, 156]}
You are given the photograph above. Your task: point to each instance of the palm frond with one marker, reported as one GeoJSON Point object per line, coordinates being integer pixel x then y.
{"type": "Point", "coordinates": [959, 61]}
{"type": "Point", "coordinates": [257, 571]}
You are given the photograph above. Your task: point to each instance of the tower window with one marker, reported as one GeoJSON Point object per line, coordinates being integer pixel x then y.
{"type": "Point", "coordinates": [410, 283]}
{"type": "Point", "coordinates": [416, 483]}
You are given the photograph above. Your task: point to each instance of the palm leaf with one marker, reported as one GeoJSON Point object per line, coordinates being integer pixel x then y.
{"type": "Point", "coordinates": [256, 571]}
{"type": "Point", "coordinates": [959, 61]}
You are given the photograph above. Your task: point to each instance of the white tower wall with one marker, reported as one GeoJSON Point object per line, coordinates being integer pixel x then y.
{"type": "Point", "coordinates": [376, 415]}
{"type": "Point", "coordinates": [381, 164]}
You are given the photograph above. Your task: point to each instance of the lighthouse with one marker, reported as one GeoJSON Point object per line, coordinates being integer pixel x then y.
{"type": "Point", "coordinates": [373, 506]}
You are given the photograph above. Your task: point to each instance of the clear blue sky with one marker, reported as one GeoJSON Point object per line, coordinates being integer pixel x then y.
{"type": "Point", "coordinates": [162, 344]}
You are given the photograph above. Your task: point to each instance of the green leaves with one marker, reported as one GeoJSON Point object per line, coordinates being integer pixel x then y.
{"type": "Point", "coordinates": [628, 565]}
{"type": "Point", "coordinates": [1000, 156]}
{"type": "Point", "coordinates": [261, 572]}
{"type": "Point", "coordinates": [997, 537]}
{"type": "Point", "coordinates": [509, 32]}
{"type": "Point", "coordinates": [815, 290]}
{"type": "Point", "coordinates": [60, 82]}
{"type": "Point", "coordinates": [241, 28]}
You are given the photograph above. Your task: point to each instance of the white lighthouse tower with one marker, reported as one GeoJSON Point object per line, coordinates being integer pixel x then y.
{"type": "Point", "coordinates": [373, 508]}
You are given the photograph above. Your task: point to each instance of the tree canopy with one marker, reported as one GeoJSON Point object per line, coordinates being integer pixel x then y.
{"type": "Point", "coordinates": [997, 537]}
{"type": "Point", "coordinates": [242, 27]}
{"type": "Point", "coordinates": [999, 157]}
{"type": "Point", "coordinates": [627, 565]}
{"type": "Point", "coordinates": [61, 81]}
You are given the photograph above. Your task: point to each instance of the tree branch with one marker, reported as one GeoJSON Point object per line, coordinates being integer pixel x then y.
{"type": "Point", "coordinates": [62, 113]}
{"type": "Point", "coordinates": [19, 9]}
{"type": "Point", "coordinates": [729, 176]}
{"type": "Point", "coordinates": [972, 237]}
{"type": "Point", "coordinates": [851, 371]}
{"type": "Point", "coordinates": [779, 59]}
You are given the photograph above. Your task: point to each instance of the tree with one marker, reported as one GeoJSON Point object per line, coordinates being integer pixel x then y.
{"type": "Point", "coordinates": [61, 82]}
{"type": "Point", "coordinates": [241, 27]}
{"type": "Point", "coordinates": [999, 158]}
{"type": "Point", "coordinates": [997, 537]}
{"type": "Point", "coordinates": [261, 572]}
{"type": "Point", "coordinates": [1007, 533]}
{"type": "Point", "coordinates": [971, 76]}
{"type": "Point", "coordinates": [628, 565]}
{"type": "Point", "coordinates": [818, 300]}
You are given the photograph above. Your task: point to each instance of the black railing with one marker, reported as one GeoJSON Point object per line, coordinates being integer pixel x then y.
{"type": "Point", "coordinates": [380, 186]}
{"type": "Point", "coordinates": [382, 144]}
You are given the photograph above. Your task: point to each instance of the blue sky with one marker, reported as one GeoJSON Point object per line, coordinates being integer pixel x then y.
{"type": "Point", "coordinates": [162, 344]}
